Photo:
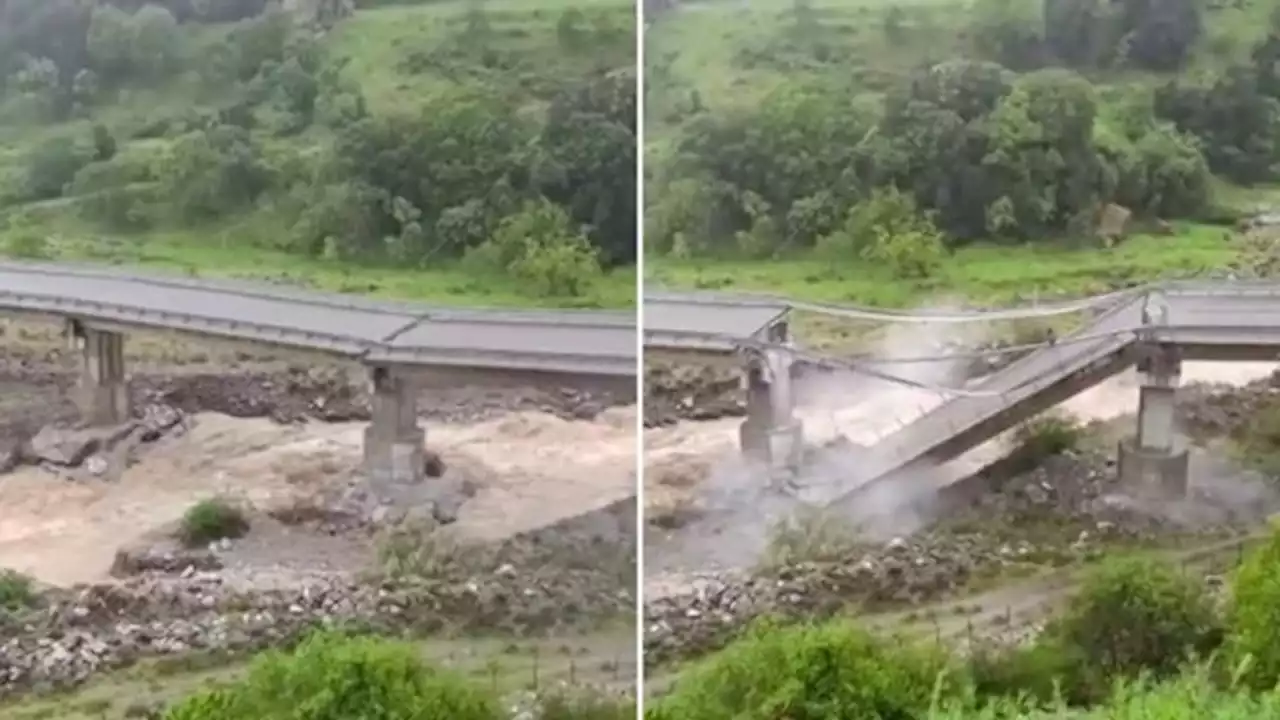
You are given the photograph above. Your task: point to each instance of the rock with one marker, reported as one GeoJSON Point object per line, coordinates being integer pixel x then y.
{"type": "Point", "coordinates": [157, 419]}
{"type": "Point", "coordinates": [69, 447]}
{"type": "Point", "coordinates": [10, 458]}
{"type": "Point", "coordinates": [433, 464]}
{"type": "Point", "coordinates": [96, 465]}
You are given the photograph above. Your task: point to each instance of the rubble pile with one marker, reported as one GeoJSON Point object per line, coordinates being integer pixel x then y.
{"type": "Point", "coordinates": [1064, 511]}
{"type": "Point", "coordinates": [561, 578]}
{"type": "Point", "coordinates": [674, 392]}
{"type": "Point", "coordinates": [72, 452]}
{"type": "Point", "coordinates": [76, 634]}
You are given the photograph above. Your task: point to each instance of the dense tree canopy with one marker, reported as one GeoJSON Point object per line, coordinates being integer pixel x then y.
{"type": "Point", "coordinates": [281, 127]}
{"type": "Point", "coordinates": [1018, 137]}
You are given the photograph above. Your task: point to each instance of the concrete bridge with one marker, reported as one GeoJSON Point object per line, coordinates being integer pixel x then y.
{"type": "Point", "coordinates": [395, 341]}
{"type": "Point", "coordinates": [1154, 329]}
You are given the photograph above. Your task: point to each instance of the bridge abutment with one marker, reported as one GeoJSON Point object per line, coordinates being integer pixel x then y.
{"type": "Point", "coordinates": [771, 433]}
{"type": "Point", "coordinates": [102, 391]}
{"type": "Point", "coordinates": [394, 449]}
{"type": "Point", "coordinates": [1155, 462]}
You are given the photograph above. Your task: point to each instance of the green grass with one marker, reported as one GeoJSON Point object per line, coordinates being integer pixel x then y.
{"type": "Point", "coordinates": [374, 43]}
{"type": "Point", "coordinates": [981, 274]}
{"type": "Point", "coordinates": [234, 251]}
{"type": "Point", "coordinates": [605, 660]}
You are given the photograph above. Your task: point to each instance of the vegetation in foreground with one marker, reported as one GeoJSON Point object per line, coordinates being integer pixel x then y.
{"type": "Point", "coordinates": [1140, 639]}
{"type": "Point", "coordinates": [476, 152]}
{"type": "Point", "coordinates": [331, 677]}
{"type": "Point", "coordinates": [880, 153]}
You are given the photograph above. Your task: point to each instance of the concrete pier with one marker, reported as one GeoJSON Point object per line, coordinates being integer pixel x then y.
{"type": "Point", "coordinates": [771, 433]}
{"type": "Point", "coordinates": [393, 442]}
{"type": "Point", "coordinates": [102, 391]}
{"type": "Point", "coordinates": [1155, 462]}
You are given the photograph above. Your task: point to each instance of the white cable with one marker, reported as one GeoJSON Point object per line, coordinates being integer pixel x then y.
{"type": "Point", "coordinates": [963, 316]}
{"type": "Point", "coordinates": [1002, 350]}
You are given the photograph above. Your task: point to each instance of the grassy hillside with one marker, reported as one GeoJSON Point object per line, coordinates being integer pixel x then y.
{"type": "Point", "coordinates": [405, 149]}
{"type": "Point", "coordinates": [781, 117]}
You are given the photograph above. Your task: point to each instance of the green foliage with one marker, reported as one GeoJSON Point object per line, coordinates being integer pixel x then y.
{"type": "Point", "coordinates": [331, 677]}
{"type": "Point", "coordinates": [834, 670]}
{"type": "Point", "coordinates": [807, 536]}
{"type": "Point", "coordinates": [27, 243]}
{"type": "Point", "coordinates": [290, 130]}
{"type": "Point", "coordinates": [567, 706]}
{"type": "Point", "coordinates": [889, 231]}
{"type": "Point", "coordinates": [1047, 436]}
{"type": "Point", "coordinates": [210, 520]}
{"type": "Point", "coordinates": [986, 152]}
{"type": "Point", "coordinates": [51, 166]}
{"type": "Point", "coordinates": [17, 591]}
{"type": "Point", "coordinates": [1131, 617]}
{"type": "Point", "coordinates": [538, 247]}
{"type": "Point", "coordinates": [1254, 613]}
{"type": "Point", "coordinates": [210, 173]}
{"type": "Point", "coordinates": [1192, 696]}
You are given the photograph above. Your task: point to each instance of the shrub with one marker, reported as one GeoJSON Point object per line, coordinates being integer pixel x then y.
{"type": "Point", "coordinates": [810, 535]}
{"type": "Point", "coordinates": [833, 670]}
{"type": "Point", "coordinates": [1254, 614]}
{"type": "Point", "coordinates": [332, 677]}
{"type": "Point", "coordinates": [1047, 436]}
{"type": "Point", "coordinates": [210, 520]}
{"type": "Point", "coordinates": [17, 591]}
{"type": "Point", "coordinates": [566, 706]}
{"type": "Point", "coordinates": [1131, 617]}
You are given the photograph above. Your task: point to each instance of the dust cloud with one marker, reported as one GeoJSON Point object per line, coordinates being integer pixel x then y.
{"type": "Point", "coordinates": [727, 517]}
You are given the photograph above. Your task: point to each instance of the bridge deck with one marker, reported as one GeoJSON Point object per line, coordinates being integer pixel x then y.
{"type": "Point", "coordinates": [705, 321]}
{"type": "Point", "coordinates": [592, 343]}
{"type": "Point", "coordinates": [1208, 325]}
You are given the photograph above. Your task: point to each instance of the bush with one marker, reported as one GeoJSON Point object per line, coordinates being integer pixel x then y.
{"type": "Point", "coordinates": [1254, 614]}
{"type": "Point", "coordinates": [1048, 436]}
{"type": "Point", "coordinates": [538, 247]}
{"type": "Point", "coordinates": [332, 677]}
{"type": "Point", "coordinates": [17, 591]}
{"type": "Point", "coordinates": [51, 166]}
{"type": "Point", "coordinates": [564, 706]}
{"type": "Point", "coordinates": [210, 520]}
{"type": "Point", "coordinates": [1131, 617]}
{"type": "Point", "coordinates": [809, 535]}
{"type": "Point", "coordinates": [833, 670]}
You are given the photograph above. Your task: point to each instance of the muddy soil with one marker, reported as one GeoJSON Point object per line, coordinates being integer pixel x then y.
{"type": "Point", "coordinates": [539, 535]}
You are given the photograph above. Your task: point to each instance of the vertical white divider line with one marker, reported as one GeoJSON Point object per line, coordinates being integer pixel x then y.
{"type": "Point", "coordinates": [639, 473]}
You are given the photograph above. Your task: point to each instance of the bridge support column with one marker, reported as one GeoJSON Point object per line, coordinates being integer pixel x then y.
{"type": "Point", "coordinates": [771, 433]}
{"type": "Point", "coordinates": [1155, 463]}
{"type": "Point", "coordinates": [393, 442]}
{"type": "Point", "coordinates": [101, 392]}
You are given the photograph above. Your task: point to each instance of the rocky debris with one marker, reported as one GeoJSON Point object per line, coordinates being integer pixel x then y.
{"type": "Point", "coordinates": [164, 558]}
{"type": "Point", "coordinates": [62, 448]}
{"type": "Point", "coordinates": [571, 575]}
{"type": "Point", "coordinates": [1206, 410]}
{"type": "Point", "coordinates": [1065, 510]}
{"type": "Point", "coordinates": [900, 573]}
{"type": "Point", "coordinates": [70, 447]}
{"type": "Point", "coordinates": [330, 394]}
{"type": "Point", "coordinates": [674, 392]}
{"type": "Point", "coordinates": [107, 626]}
